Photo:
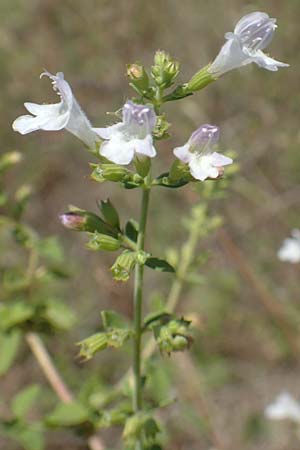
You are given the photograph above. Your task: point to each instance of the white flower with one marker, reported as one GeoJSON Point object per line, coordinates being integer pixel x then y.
{"type": "Point", "coordinates": [290, 249]}
{"type": "Point", "coordinates": [284, 407]}
{"type": "Point", "coordinates": [65, 114]}
{"type": "Point", "coordinates": [132, 135]}
{"type": "Point", "coordinates": [199, 155]}
{"type": "Point", "coordinates": [251, 35]}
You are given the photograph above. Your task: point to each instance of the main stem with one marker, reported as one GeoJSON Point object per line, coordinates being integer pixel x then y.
{"type": "Point", "coordinates": [138, 300]}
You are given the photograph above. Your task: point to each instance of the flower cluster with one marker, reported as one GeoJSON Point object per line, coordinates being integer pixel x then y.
{"type": "Point", "coordinates": [133, 137]}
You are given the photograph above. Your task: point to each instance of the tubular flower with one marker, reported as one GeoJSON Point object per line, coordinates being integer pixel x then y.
{"type": "Point", "coordinates": [284, 407]}
{"type": "Point", "coordinates": [65, 114]}
{"type": "Point", "coordinates": [132, 135]}
{"type": "Point", "coordinates": [290, 249]}
{"type": "Point", "coordinates": [252, 34]}
{"type": "Point", "coordinates": [199, 155]}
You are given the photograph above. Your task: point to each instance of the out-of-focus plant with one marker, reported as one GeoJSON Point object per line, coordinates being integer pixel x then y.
{"type": "Point", "coordinates": [31, 305]}
{"type": "Point", "coordinates": [134, 139]}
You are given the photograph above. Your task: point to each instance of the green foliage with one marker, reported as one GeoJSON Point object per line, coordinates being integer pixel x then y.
{"type": "Point", "coordinates": [68, 414]}
{"type": "Point", "coordinates": [9, 345]}
{"type": "Point", "coordinates": [23, 401]}
{"type": "Point", "coordinates": [159, 264]}
{"type": "Point", "coordinates": [140, 427]}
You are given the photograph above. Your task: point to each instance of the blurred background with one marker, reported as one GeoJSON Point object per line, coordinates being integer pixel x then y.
{"type": "Point", "coordinates": [246, 352]}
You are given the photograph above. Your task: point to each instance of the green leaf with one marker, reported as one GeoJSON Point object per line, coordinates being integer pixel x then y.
{"type": "Point", "coordinates": [16, 314]}
{"type": "Point", "coordinates": [110, 213]}
{"type": "Point", "coordinates": [59, 315]}
{"type": "Point", "coordinates": [22, 402]}
{"type": "Point", "coordinates": [111, 319]}
{"type": "Point", "coordinates": [159, 264]}
{"type": "Point", "coordinates": [30, 437]}
{"type": "Point", "coordinates": [50, 249]}
{"type": "Point", "coordinates": [68, 414]}
{"type": "Point", "coordinates": [9, 345]}
{"type": "Point", "coordinates": [131, 230]}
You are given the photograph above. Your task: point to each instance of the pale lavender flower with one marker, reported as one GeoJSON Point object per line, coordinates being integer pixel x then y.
{"type": "Point", "coordinates": [290, 249]}
{"type": "Point", "coordinates": [199, 155]}
{"type": "Point", "coordinates": [284, 407]}
{"type": "Point", "coordinates": [65, 114]}
{"type": "Point", "coordinates": [132, 135]}
{"type": "Point", "coordinates": [252, 34]}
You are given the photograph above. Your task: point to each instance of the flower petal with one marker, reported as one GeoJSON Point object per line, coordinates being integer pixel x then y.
{"type": "Point", "coordinates": [231, 56]}
{"type": "Point", "coordinates": [284, 407]}
{"type": "Point", "coordinates": [26, 124]}
{"type": "Point", "coordinates": [219, 160]}
{"type": "Point", "coordinates": [183, 153]}
{"type": "Point", "coordinates": [145, 146]}
{"type": "Point", "coordinates": [266, 62]}
{"type": "Point", "coordinates": [201, 167]}
{"type": "Point", "coordinates": [290, 251]}
{"type": "Point", "coordinates": [108, 132]}
{"type": "Point", "coordinates": [117, 151]}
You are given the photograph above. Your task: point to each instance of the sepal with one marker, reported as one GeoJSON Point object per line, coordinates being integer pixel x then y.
{"type": "Point", "coordinates": [124, 265]}
{"type": "Point", "coordinates": [100, 241]}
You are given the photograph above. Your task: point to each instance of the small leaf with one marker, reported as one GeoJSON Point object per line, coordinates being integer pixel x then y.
{"type": "Point", "coordinates": [22, 402]}
{"type": "Point", "coordinates": [50, 249]}
{"type": "Point", "coordinates": [16, 314]}
{"type": "Point", "coordinates": [30, 437]}
{"type": "Point", "coordinates": [110, 213]}
{"type": "Point", "coordinates": [131, 230]}
{"type": "Point", "coordinates": [68, 414]}
{"type": "Point", "coordinates": [59, 315]}
{"type": "Point", "coordinates": [159, 264]}
{"type": "Point", "coordinates": [9, 345]}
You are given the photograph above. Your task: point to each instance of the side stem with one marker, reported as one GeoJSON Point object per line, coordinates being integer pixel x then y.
{"type": "Point", "coordinates": [138, 299]}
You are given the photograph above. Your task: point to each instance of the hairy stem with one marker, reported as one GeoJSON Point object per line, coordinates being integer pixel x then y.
{"type": "Point", "coordinates": [45, 362]}
{"type": "Point", "coordinates": [138, 300]}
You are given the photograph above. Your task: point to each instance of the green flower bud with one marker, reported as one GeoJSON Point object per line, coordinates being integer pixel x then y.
{"type": "Point", "coordinates": [100, 241]}
{"type": "Point", "coordinates": [124, 265]}
{"type": "Point", "coordinates": [138, 76]}
{"type": "Point", "coordinates": [109, 172]}
{"type": "Point", "coordinates": [165, 69]}
{"type": "Point", "coordinates": [79, 220]}
{"type": "Point", "coordinates": [174, 336]}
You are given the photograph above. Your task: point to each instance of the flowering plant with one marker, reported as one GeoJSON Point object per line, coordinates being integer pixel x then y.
{"type": "Point", "coordinates": [135, 140]}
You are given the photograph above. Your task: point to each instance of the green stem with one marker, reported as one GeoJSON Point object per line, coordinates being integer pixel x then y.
{"type": "Point", "coordinates": [138, 299]}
